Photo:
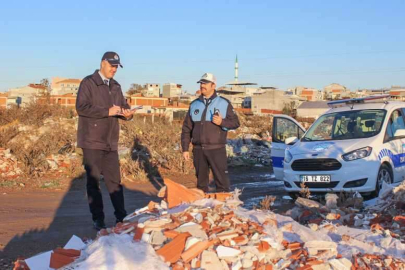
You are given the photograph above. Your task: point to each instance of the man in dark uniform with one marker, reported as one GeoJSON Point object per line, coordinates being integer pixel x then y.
{"type": "Point", "coordinates": [206, 125]}
{"type": "Point", "coordinates": [99, 104]}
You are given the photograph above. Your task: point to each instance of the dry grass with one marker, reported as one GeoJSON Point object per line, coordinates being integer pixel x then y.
{"type": "Point", "coordinates": [266, 203]}
{"type": "Point", "coordinates": [35, 114]}
{"type": "Point", "coordinates": [133, 170]}
{"type": "Point", "coordinates": [304, 192]}
{"type": "Point", "coordinates": [154, 145]}
{"type": "Point", "coordinates": [33, 154]}
{"type": "Point", "coordinates": [31, 147]}
{"type": "Point", "coordinates": [255, 124]}
{"type": "Point", "coordinates": [7, 133]}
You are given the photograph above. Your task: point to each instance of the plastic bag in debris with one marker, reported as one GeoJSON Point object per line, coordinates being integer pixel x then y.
{"type": "Point", "coordinates": [119, 252]}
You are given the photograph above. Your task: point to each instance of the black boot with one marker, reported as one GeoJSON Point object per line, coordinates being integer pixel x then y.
{"type": "Point", "coordinates": [99, 224]}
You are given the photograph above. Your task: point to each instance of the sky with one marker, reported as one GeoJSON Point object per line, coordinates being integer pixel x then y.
{"type": "Point", "coordinates": [359, 44]}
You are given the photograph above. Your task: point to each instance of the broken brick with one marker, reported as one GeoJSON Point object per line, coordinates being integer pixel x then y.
{"type": "Point", "coordinates": [152, 205]}
{"type": "Point", "coordinates": [400, 220]}
{"type": "Point", "coordinates": [59, 260]}
{"type": "Point", "coordinates": [171, 252]}
{"type": "Point", "coordinates": [263, 246]}
{"type": "Point", "coordinates": [178, 194]}
{"type": "Point", "coordinates": [196, 250]}
{"type": "Point", "coordinates": [139, 232]}
{"type": "Point", "coordinates": [170, 234]}
{"type": "Point", "coordinates": [68, 252]}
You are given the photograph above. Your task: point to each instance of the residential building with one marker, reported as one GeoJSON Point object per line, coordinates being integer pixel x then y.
{"type": "Point", "coordinates": [312, 109]}
{"type": "Point", "coordinates": [187, 98]}
{"type": "Point", "coordinates": [309, 94]}
{"type": "Point", "coordinates": [62, 86]}
{"type": "Point", "coordinates": [171, 90]}
{"type": "Point", "coordinates": [336, 91]}
{"type": "Point", "coordinates": [247, 102]}
{"type": "Point", "coordinates": [66, 100]}
{"type": "Point", "coordinates": [172, 112]}
{"type": "Point", "coordinates": [146, 102]}
{"type": "Point", "coordinates": [151, 90]}
{"type": "Point", "coordinates": [24, 95]}
{"type": "Point", "coordinates": [371, 92]}
{"type": "Point", "coordinates": [273, 102]}
{"type": "Point", "coordinates": [397, 93]}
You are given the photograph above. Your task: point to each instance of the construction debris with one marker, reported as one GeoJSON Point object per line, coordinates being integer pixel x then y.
{"type": "Point", "coordinates": [8, 165]}
{"type": "Point", "coordinates": [201, 232]}
{"type": "Point", "coordinates": [249, 149]}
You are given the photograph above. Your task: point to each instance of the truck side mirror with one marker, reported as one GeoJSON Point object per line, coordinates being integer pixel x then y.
{"type": "Point", "coordinates": [292, 140]}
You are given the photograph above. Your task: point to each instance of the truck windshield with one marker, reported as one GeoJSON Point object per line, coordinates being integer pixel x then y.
{"type": "Point", "coordinates": [346, 125]}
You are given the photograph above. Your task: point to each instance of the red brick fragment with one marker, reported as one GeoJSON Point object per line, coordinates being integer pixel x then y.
{"type": "Point", "coordinates": [171, 252]}
{"type": "Point", "coordinates": [74, 253]}
{"type": "Point", "coordinates": [152, 205]}
{"type": "Point", "coordinates": [170, 234]}
{"type": "Point", "coordinates": [400, 220]}
{"type": "Point", "coordinates": [196, 250]}
{"type": "Point", "coordinates": [60, 260]}
{"type": "Point", "coordinates": [294, 245]}
{"type": "Point", "coordinates": [263, 246]}
{"type": "Point", "coordinates": [218, 196]}
{"type": "Point", "coordinates": [205, 225]}
{"type": "Point", "coordinates": [139, 232]}
{"type": "Point", "coordinates": [178, 194]}
{"type": "Point", "coordinates": [20, 265]}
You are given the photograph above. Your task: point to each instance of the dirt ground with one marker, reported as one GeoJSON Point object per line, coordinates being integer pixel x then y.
{"type": "Point", "coordinates": [38, 220]}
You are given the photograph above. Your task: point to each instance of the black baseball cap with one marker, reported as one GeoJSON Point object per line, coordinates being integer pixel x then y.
{"type": "Point", "coordinates": [113, 58]}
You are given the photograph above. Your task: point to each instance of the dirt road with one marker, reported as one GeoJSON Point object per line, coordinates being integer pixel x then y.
{"type": "Point", "coordinates": [37, 221]}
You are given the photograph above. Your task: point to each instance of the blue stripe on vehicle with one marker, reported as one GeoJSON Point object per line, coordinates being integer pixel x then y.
{"type": "Point", "coordinates": [398, 160]}
{"type": "Point", "coordinates": [278, 162]}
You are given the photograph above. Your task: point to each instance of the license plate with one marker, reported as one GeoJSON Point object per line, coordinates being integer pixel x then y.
{"type": "Point", "coordinates": [315, 178]}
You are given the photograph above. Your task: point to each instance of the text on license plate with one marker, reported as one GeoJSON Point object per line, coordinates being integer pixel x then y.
{"type": "Point", "coordinates": [315, 178]}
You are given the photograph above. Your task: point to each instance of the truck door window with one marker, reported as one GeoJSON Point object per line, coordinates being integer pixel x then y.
{"type": "Point", "coordinates": [284, 129]}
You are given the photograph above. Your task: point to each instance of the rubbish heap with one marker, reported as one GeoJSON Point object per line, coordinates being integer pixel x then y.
{"type": "Point", "coordinates": [8, 164]}
{"type": "Point", "coordinates": [192, 230]}
{"type": "Point", "coordinates": [385, 215]}
{"type": "Point", "coordinates": [249, 148]}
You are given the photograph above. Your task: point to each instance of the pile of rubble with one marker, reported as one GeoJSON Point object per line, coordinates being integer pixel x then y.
{"type": "Point", "coordinates": [192, 230]}
{"type": "Point", "coordinates": [248, 148]}
{"type": "Point", "coordinates": [60, 162]}
{"type": "Point", "coordinates": [8, 164]}
{"type": "Point", "coordinates": [386, 216]}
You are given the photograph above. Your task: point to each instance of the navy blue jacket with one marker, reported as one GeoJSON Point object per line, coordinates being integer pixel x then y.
{"type": "Point", "coordinates": [198, 127]}
{"type": "Point", "coordinates": [96, 129]}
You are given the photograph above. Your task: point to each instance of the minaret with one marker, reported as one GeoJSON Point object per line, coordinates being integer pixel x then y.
{"type": "Point", "coordinates": [236, 68]}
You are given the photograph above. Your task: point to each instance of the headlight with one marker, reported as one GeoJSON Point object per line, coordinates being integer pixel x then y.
{"type": "Point", "coordinates": [287, 157]}
{"type": "Point", "coordinates": [357, 154]}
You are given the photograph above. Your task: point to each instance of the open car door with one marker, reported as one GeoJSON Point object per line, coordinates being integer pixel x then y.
{"type": "Point", "coordinates": [283, 127]}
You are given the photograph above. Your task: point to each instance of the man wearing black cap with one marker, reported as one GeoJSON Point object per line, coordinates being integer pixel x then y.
{"type": "Point", "coordinates": [99, 104]}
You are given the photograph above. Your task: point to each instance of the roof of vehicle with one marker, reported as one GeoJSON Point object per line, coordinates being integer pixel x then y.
{"type": "Point", "coordinates": [388, 105]}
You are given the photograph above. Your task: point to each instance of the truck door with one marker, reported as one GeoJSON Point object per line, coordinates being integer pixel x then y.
{"type": "Point", "coordinates": [283, 127]}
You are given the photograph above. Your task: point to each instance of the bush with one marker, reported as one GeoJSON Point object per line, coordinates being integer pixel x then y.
{"type": "Point", "coordinates": [7, 133]}
{"type": "Point", "coordinates": [34, 113]}
{"type": "Point", "coordinates": [155, 143]}
{"type": "Point", "coordinates": [33, 155]}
